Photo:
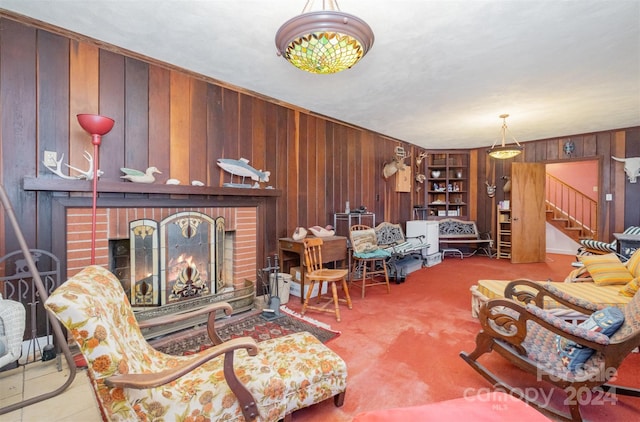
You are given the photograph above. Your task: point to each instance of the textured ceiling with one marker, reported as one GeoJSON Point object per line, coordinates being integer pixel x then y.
{"type": "Point", "coordinates": [438, 75]}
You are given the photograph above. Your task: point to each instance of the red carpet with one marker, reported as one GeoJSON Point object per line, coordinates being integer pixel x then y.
{"type": "Point", "coordinates": [402, 348]}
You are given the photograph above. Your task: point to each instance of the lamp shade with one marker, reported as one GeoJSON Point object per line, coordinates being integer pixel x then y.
{"type": "Point", "coordinates": [503, 151]}
{"type": "Point", "coordinates": [324, 42]}
{"type": "Point", "coordinates": [95, 124]}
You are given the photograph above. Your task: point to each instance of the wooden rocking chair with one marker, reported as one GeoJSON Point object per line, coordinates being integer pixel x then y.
{"type": "Point", "coordinates": [528, 336]}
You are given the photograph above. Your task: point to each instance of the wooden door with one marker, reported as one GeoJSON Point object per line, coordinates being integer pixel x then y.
{"type": "Point", "coordinates": [528, 223]}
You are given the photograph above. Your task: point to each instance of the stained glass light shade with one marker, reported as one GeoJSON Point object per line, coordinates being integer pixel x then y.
{"type": "Point", "coordinates": [324, 42]}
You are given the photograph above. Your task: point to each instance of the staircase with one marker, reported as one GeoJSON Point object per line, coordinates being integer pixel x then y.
{"type": "Point", "coordinates": [570, 211]}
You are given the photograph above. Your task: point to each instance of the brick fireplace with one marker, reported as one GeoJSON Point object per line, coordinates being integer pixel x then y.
{"type": "Point", "coordinates": [114, 232]}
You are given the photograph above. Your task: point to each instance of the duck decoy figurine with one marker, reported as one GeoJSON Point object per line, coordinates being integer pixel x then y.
{"type": "Point", "coordinates": [139, 177]}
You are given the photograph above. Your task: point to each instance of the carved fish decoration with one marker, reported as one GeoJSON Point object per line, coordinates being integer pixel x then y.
{"type": "Point", "coordinates": [241, 168]}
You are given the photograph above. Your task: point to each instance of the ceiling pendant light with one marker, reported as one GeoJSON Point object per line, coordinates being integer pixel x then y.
{"type": "Point", "coordinates": [326, 41]}
{"type": "Point", "coordinates": [503, 152]}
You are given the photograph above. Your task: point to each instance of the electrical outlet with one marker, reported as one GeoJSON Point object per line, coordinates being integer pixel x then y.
{"type": "Point", "coordinates": [50, 158]}
{"type": "Point", "coordinates": [608, 197]}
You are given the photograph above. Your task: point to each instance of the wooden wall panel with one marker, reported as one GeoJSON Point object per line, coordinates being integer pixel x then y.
{"type": "Point", "coordinates": [632, 191]}
{"type": "Point", "coordinates": [215, 134]}
{"type": "Point", "coordinates": [197, 132]}
{"type": "Point", "coordinates": [18, 120]}
{"type": "Point", "coordinates": [159, 119]}
{"type": "Point", "coordinates": [84, 89]}
{"type": "Point", "coordinates": [112, 104]}
{"type": "Point", "coordinates": [136, 120]}
{"type": "Point", "coordinates": [179, 129]}
{"type": "Point", "coordinates": [52, 124]}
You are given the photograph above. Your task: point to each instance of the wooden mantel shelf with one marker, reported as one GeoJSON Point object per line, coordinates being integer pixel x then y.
{"type": "Point", "coordinates": [63, 185]}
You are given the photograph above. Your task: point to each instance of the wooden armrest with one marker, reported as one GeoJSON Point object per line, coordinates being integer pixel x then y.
{"type": "Point", "coordinates": [211, 310]}
{"type": "Point", "coordinates": [506, 319]}
{"type": "Point", "coordinates": [511, 292]}
{"type": "Point", "coordinates": [245, 398]}
{"type": "Point", "coordinates": [143, 381]}
{"type": "Point", "coordinates": [214, 307]}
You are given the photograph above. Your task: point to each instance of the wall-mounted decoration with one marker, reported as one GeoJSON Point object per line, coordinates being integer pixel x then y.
{"type": "Point", "coordinates": [631, 167]}
{"type": "Point", "coordinates": [569, 147]}
{"type": "Point", "coordinates": [403, 180]}
{"type": "Point", "coordinates": [88, 174]}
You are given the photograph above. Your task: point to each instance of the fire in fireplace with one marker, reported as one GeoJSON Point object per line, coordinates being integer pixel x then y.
{"type": "Point", "coordinates": [180, 257]}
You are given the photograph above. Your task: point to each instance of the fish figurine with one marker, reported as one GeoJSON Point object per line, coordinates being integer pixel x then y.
{"type": "Point", "coordinates": [242, 169]}
{"type": "Point", "coordinates": [139, 177]}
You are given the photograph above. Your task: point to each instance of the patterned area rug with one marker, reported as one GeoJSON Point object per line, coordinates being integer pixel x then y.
{"type": "Point", "coordinates": [252, 325]}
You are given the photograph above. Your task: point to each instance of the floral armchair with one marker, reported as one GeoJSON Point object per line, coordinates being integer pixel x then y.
{"type": "Point", "coordinates": [233, 381]}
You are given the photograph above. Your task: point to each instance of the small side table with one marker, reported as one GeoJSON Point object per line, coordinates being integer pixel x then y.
{"type": "Point", "coordinates": [334, 249]}
{"type": "Point", "coordinates": [627, 243]}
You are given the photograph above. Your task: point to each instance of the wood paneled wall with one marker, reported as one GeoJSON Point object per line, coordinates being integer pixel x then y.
{"type": "Point", "coordinates": [182, 123]}
{"type": "Point", "coordinates": [615, 215]}
{"type": "Point", "coordinates": [179, 122]}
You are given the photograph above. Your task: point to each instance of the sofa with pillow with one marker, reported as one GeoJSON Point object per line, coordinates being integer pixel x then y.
{"type": "Point", "coordinates": [598, 247]}
{"type": "Point", "coordinates": [603, 280]}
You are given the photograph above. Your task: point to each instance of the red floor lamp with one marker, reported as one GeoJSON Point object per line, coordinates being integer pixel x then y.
{"type": "Point", "coordinates": [96, 126]}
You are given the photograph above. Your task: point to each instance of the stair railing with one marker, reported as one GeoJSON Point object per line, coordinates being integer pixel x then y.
{"type": "Point", "coordinates": [570, 204]}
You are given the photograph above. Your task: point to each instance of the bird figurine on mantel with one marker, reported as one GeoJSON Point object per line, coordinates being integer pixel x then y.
{"type": "Point", "coordinates": [139, 177]}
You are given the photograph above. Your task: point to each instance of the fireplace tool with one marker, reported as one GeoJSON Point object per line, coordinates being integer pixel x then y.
{"type": "Point", "coordinates": [269, 279]}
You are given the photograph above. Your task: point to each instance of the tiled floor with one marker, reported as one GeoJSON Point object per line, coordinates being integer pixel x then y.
{"type": "Point", "coordinates": [76, 403]}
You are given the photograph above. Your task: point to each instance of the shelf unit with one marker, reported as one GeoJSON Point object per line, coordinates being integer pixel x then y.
{"type": "Point", "coordinates": [448, 184]}
{"type": "Point", "coordinates": [503, 226]}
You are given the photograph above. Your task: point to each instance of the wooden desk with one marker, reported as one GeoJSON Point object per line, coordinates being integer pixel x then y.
{"type": "Point", "coordinates": [627, 244]}
{"type": "Point", "coordinates": [334, 249]}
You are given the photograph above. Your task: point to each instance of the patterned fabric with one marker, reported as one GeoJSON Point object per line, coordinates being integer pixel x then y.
{"type": "Point", "coordinates": [288, 373]}
{"type": "Point", "coordinates": [540, 345]}
{"type": "Point", "coordinates": [363, 241]}
{"type": "Point", "coordinates": [633, 264]}
{"type": "Point", "coordinates": [605, 247]}
{"type": "Point", "coordinates": [631, 320]}
{"type": "Point", "coordinates": [597, 245]}
{"type": "Point", "coordinates": [583, 292]}
{"type": "Point", "coordinates": [577, 330]}
{"type": "Point", "coordinates": [631, 288]}
{"type": "Point", "coordinates": [606, 269]}
{"type": "Point", "coordinates": [605, 322]}
{"type": "Point", "coordinates": [583, 303]}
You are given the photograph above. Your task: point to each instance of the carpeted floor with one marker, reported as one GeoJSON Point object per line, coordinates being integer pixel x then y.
{"type": "Point", "coordinates": [250, 324]}
{"type": "Point", "coordinates": [402, 348]}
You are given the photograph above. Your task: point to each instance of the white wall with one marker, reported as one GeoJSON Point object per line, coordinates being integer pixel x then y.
{"type": "Point", "coordinates": [558, 242]}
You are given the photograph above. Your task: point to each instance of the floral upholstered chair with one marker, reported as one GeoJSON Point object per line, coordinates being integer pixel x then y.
{"type": "Point", "coordinates": [233, 381]}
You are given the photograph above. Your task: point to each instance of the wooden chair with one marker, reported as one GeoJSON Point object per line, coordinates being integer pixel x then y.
{"type": "Point", "coordinates": [369, 260]}
{"type": "Point", "coordinates": [528, 336]}
{"type": "Point", "coordinates": [316, 276]}
{"type": "Point", "coordinates": [236, 380]}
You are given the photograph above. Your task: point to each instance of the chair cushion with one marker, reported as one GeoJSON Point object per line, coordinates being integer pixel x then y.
{"type": "Point", "coordinates": [364, 240]}
{"type": "Point", "coordinates": [606, 269]}
{"type": "Point", "coordinates": [605, 321]}
{"type": "Point", "coordinates": [631, 288]}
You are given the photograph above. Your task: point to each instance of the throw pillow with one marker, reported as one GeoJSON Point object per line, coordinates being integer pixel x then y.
{"type": "Point", "coordinates": [605, 321]}
{"type": "Point", "coordinates": [606, 269]}
{"type": "Point", "coordinates": [633, 264]}
{"type": "Point", "coordinates": [631, 288]}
